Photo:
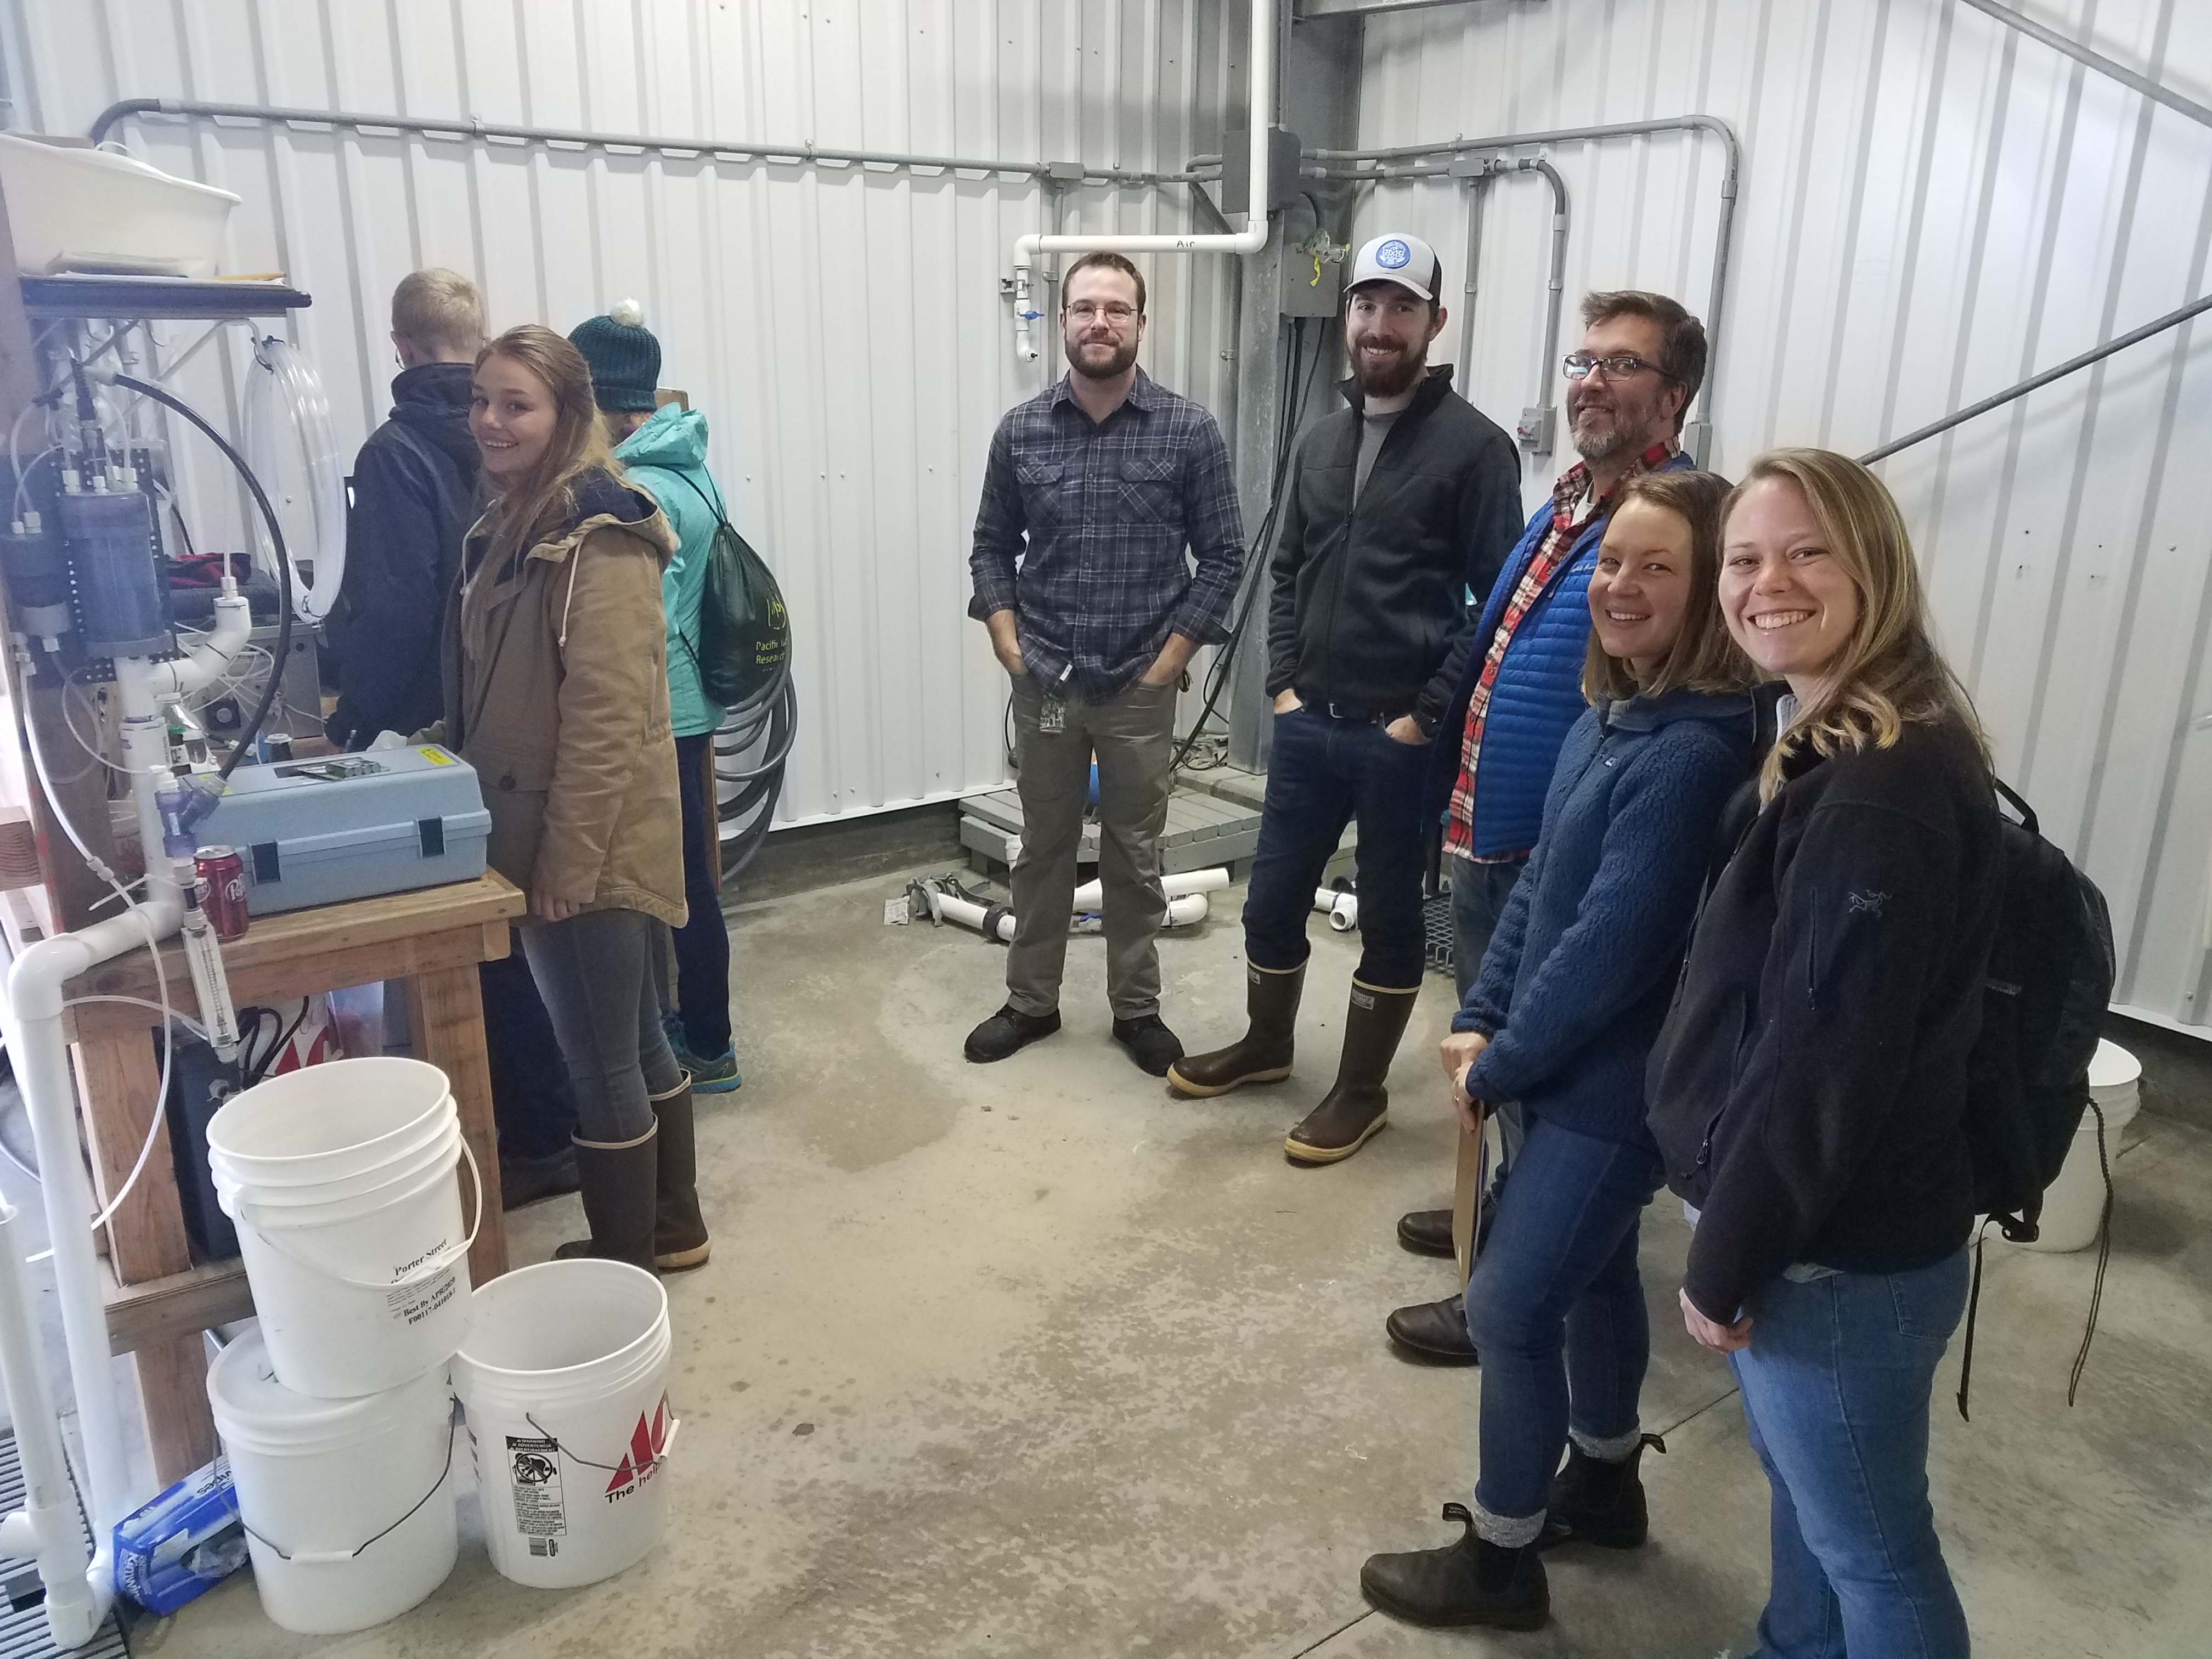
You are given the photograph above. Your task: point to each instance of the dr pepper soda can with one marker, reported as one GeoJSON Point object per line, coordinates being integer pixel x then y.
{"type": "Point", "coordinates": [219, 874]}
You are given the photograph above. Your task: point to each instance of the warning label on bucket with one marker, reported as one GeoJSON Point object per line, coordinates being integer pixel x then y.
{"type": "Point", "coordinates": [411, 1304]}
{"type": "Point", "coordinates": [534, 1475]}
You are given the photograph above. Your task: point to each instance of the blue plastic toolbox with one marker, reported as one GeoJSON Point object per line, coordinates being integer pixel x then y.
{"type": "Point", "coordinates": [351, 826]}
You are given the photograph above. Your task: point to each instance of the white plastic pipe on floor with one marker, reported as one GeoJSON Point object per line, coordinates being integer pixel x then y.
{"type": "Point", "coordinates": [1090, 895]}
{"type": "Point", "coordinates": [80, 1590]}
{"type": "Point", "coordinates": [1182, 912]}
{"type": "Point", "coordinates": [1260, 104]}
{"type": "Point", "coordinates": [1342, 908]}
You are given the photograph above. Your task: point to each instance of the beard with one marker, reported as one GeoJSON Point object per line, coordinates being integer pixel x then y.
{"type": "Point", "coordinates": [1083, 357]}
{"type": "Point", "coordinates": [1390, 377]}
{"type": "Point", "coordinates": [1633, 431]}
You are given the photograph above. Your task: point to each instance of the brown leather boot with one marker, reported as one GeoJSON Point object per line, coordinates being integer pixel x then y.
{"type": "Point", "coordinates": [618, 1180]}
{"type": "Point", "coordinates": [679, 1231]}
{"type": "Point", "coordinates": [1262, 1055]}
{"type": "Point", "coordinates": [1358, 1104]}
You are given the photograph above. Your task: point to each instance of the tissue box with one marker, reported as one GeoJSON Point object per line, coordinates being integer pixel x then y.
{"type": "Point", "coordinates": [183, 1543]}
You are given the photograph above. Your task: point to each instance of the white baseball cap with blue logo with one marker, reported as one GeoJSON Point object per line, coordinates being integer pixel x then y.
{"type": "Point", "coordinates": [1401, 258]}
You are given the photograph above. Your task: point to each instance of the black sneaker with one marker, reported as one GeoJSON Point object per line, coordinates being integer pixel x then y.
{"type": "Point", "coordinates": [1008, 1031]}
{"type": "Point", "coordinates": [1149, 1043]}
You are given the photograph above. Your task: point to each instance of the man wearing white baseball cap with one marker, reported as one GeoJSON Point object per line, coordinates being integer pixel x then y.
{"type": "Point", "coordinates": [1397, 505]}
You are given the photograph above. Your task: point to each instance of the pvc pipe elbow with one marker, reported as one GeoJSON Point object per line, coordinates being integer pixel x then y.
{"type": "Point", "coordinates": [207, 659]}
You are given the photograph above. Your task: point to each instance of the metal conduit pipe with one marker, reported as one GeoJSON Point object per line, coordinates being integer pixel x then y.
{"type": "Point", "coordinates": [1344, 164]}
{"type": "Point", "coordinates": [721, 149]}
{"type": "Point", "coordinates": [1539, 437]}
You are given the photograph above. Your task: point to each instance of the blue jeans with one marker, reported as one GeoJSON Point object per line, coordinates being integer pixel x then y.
{"type": "Point", "coordinates": [1836, 1385]}
{"type": "Point", "coordinates": [1323, 774]}
{"type": "Point", "coordinates": [702, 943]}
{"type": "Point", "coordinates": [1556, 1309]}
{"type": "Point", "coordinates": [1479, 892]}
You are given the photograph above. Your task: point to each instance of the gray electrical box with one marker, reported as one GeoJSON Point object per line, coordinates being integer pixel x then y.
{"type": "Point", "coordinates": [1310, 288]}
{"type": "Point", "coordinates": [1283, 158]}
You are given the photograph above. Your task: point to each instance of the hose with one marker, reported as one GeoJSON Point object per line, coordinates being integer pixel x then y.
{"type": "Point", "coordinates": [252, 728]}
{"type": "Point", "coordinates": [281, 373]}
{"type": "Point", "coordinates": [768, 719]}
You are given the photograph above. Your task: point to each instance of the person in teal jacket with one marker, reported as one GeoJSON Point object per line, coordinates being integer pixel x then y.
{"type": "Point", "coordinates": [662, 450]}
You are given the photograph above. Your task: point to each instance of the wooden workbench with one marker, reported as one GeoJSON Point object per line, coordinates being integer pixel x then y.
{"type": "Point", "coordinates": [158, 1302]}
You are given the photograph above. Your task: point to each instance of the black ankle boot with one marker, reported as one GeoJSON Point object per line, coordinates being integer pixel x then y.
{"type": "Point", "coordinates": [1600, 1503]}
{"type": "Point", "coordinates": [1474, 1581]}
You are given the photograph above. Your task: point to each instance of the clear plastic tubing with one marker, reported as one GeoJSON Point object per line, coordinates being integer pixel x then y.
{"type": "Point", "coordinates": [291, 448]}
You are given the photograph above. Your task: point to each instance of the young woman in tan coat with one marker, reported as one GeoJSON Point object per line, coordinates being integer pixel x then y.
{"type": "Point", "coordinates": [556, 692]}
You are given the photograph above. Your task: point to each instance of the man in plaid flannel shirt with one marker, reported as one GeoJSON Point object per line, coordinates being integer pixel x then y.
{"type": "Point", "coordinates": [1641, 360]}
{"type": "Point", "coordinates": [1094, 490]}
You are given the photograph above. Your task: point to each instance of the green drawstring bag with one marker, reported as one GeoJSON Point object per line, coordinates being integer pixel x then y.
{"type": "Point", "coordinates": [743, 638]}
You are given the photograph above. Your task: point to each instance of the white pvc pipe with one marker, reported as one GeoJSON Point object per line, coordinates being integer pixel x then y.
{"type": "Point", "coordinates": [1090, 895]}
{"type": "Point", "coordinates": [85, 1591]}
{"type": "Point", "coordinates": [1181, 913]}
{"type": "Point", "coordinates": [45, 1529]}
{"type": "Point", "coordinates": [1343, 908]}
{"type": "Point", "coordinates": [1260, 104]}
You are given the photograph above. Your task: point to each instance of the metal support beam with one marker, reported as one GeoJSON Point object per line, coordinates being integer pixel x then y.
{"type": "Point", "coordinates": [2095, 60]}
{"type": "Point", "coordinates": [1312, 10]}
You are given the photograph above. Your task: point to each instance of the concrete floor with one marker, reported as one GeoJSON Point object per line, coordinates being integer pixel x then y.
{"type": "Point", "coordinates": [1033, 1359]}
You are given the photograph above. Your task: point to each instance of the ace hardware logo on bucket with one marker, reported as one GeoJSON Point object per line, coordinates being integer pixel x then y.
{"type": "Point", "coordinates": [647, 1443]}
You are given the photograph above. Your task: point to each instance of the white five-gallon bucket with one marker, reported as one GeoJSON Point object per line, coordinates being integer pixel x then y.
{"type": "Point", "coordinates": [565, 1378]}
{"type": "Point", "coordinates": [2074, 1205]}
{"type": "Point", "coordinates": [340, 1178]}
{"type": "Point", "coordinates": [348, 1503]}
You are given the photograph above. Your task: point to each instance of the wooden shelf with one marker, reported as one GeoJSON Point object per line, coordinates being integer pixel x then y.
{"type": "Point", "coordinates": [145, 1316]}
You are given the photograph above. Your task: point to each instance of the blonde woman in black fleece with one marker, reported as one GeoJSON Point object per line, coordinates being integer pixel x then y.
{"type": "Point", "coordinates": [1807, 1090]}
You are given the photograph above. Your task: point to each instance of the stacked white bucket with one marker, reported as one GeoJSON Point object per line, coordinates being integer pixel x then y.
{"type": "Point", "coordinates": [2074, 1205]}
{"type": "Point", "coordinates": [337, 1413]}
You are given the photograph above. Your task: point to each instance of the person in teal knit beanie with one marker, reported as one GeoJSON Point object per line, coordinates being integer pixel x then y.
{"type": "Point", "coordinates": [662, 450]}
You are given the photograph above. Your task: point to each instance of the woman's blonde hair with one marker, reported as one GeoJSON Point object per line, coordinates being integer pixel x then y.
{"type": "Point", "coordinates": [542, 499]}
{"type": "Point", "coordinates": [1889, 673]}
{"type": "Point", "coordinates": [1705, 656]}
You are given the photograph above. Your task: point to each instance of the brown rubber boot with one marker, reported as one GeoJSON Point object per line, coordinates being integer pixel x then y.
{"type": "Point", "coordinates": [619, 1179]}
{"type": "Point", "coordinates": [1358, 1104]}
{"type": "Point", "coordinates": [679, 1231]}
{"type": "Point", "coordinates": [1262, 1055]}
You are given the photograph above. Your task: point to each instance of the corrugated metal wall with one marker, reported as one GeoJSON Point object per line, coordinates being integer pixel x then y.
{"type": "Point", "coordinates": [1933, 208]}
{"type": "Point", "coordinates": [842, 328]}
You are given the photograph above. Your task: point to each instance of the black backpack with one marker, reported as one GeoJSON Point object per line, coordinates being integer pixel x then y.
{"type": "Point", "coordinates": [2049, 981]}
{"type": "Point", "coordinates": [743, 638]}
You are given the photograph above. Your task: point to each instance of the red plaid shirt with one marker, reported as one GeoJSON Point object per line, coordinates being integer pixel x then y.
{"type": "Point", "coordinates": [1567, 496]}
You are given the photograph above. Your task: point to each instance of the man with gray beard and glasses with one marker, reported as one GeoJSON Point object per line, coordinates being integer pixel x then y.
{"type": "Point", "coordinates": [1641, 360]}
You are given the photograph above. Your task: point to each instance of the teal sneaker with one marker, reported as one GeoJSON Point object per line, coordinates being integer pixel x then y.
{"type": "Point", "coordinates": [712, 1076]}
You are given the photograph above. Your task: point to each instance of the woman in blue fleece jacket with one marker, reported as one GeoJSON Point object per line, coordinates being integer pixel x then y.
{"type": "Point", "coordinates": [1573, 991]}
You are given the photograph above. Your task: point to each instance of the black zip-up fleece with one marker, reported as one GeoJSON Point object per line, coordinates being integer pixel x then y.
{"type": "Point", "coordinates": [1807, 1090]}
{"type": "Point", "coordinates": [1368, 606]}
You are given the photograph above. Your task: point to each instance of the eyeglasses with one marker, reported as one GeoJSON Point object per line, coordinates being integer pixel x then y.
{"type": "Point", "coordinates": [1578, 365]}
{"type": "Point", "coordinates": [1114, 311]}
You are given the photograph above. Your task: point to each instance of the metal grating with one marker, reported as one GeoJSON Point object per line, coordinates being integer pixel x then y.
{"type": "Point", "coordinates": [23, 1633]}
{"type": "Point", "coordinates": [1436, 923]}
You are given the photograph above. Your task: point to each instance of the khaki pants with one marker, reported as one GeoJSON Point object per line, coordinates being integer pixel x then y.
{"type": "Point", "coordinates": [1133, 738]}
